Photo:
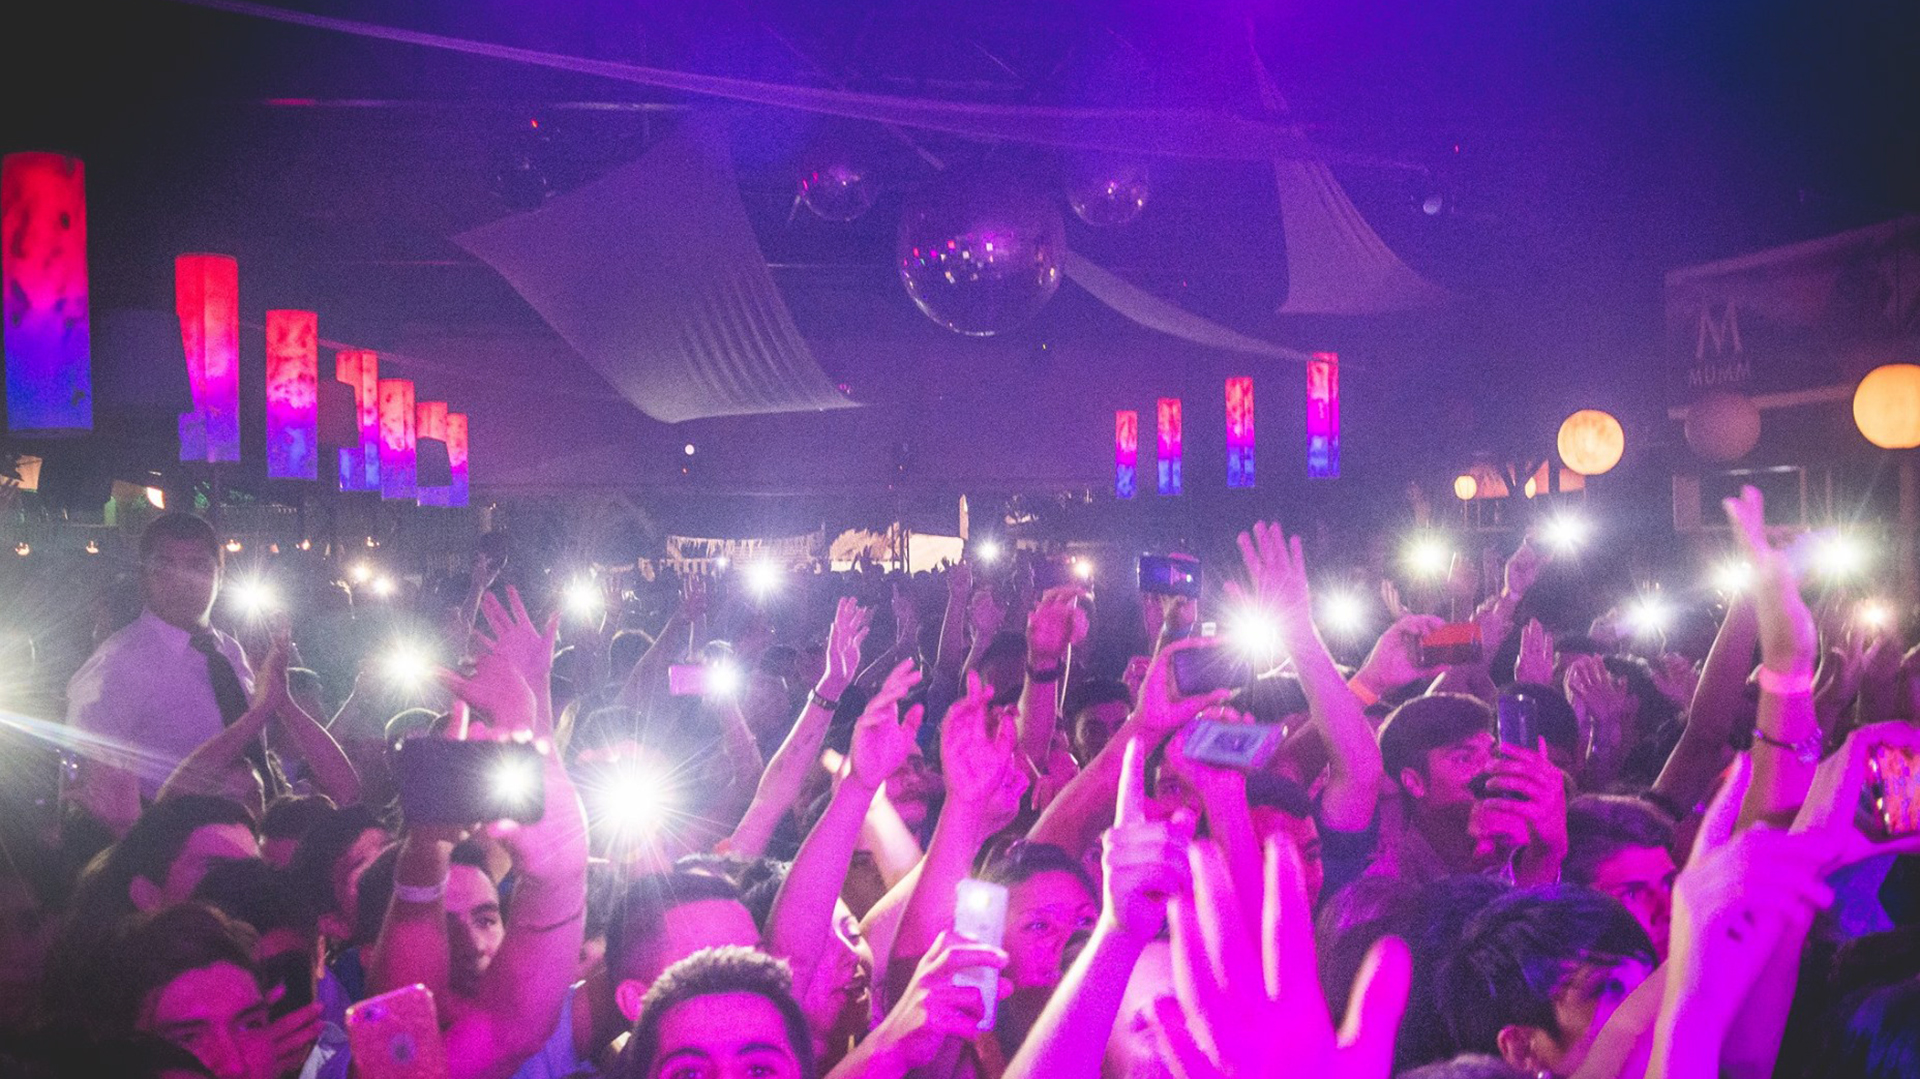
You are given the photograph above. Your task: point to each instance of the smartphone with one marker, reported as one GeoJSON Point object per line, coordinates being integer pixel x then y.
{"type": "Point", "coordinates": [1893, 791]}
{"type": "Point", "coordinates": [1517, 720]}
{"type": "Point", "coordinates": [1166, 575]}
{"type": "Point", "coordinates": [1242, 746]}
{"type": "Point", "coordinates": [397, 1036]}
{"type": "Point", "coordinates": [1451, 645]}
{"type": "Point", "coordinates": [466, 783]}
{"type": "Point", "coordinates": [1272, 698]}
{"type": "Point", "coordinates": [980, 915]}
{"type": "Point", "coordinates": [1208, 667]}
{"type": "Point", "coordinates": [687, 679]}
{"type": "Point", "coordinates": [293, 972]}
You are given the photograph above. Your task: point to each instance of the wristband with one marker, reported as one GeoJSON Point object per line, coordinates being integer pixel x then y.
{"type": "Point", "coordinates": [1368, 698]}
{"type": "Point", "coordinates": [822, 701]}
{"type": "Point", "coordinates": [420, 893]}
{"type": "Point", "coordinates": [1785, 685]}
{"type": "Point", "coordinates": [1040, 677]}
{"type": "Point", "coordinates": [1806, 750]}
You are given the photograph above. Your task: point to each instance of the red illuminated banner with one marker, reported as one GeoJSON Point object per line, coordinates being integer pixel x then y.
{"type": "Point", "coordinates": [360, 465]}
{"type": "Point", "coordinates": [396, 439]}
{"type": "Point", "coordinates": [1240, 432]}
{"type": "Point", "coordinates": [1168, 412]}
{"type": "Point", "coordinates": [1323, 416]}
{"type": "Point", "coordinates": [457, 457]}
{"type": "Point", "coordinates": [207, 299]}
{"type": "Point", "coordinates": [1126, 454]}
{"type": "Point", "coordinates": [293, 396]}
{"type": "Point", "coordinates": [430, 421]}
{"type": "Point", "coordinates": [43, 275]}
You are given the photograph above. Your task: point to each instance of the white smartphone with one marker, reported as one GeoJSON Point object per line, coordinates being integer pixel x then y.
{"type": "Point", "coordinates": [980, 915]}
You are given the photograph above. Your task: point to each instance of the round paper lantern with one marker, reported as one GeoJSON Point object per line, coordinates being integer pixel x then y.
{"type": "Point", "coordinates": [1591, 442]}
{"type": "Point", "coordinates": [838, 191]}
{"type": "Point", "coordinates": [981, 255]}
{"type": "Point", "coordinates": [1723, 426]}
{"type": "Point", "coordinates": [1108, 193]}
{"type": "Point", "coordinates": [1886, 407]}
{"type": "Point", "coordinates": [1465, 487]}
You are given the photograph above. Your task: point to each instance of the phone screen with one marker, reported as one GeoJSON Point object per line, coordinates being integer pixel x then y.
{"type": "Point", "coordinates": [1165, 575]}
{"type": "Point", "coordinates": [1517, 720]}
{"type": "Point", "coordinates": [466, 783]}
{"type": "Point", "coordinates": [1893, 788]}
{"type": "Point", "coordinates": [1243, 746]}
{"type": "Point", "coordinates": [1205, 668]}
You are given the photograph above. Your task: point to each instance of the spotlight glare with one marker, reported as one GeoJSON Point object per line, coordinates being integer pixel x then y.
{"type": "Point", "coordinates": [988, 551]}
{"type": "Point", "coordinates": [1650, 614]}
{"type": "Point", "coordinates": [360, 573]}
{"type": "Point", "coordinates": [1566, 533]}
{"type": "Point", "coordinates": [1733, 576]}
{"type": "Point", "coordinates": [763, 578]}
{"type": "Point", "coordinates": [1427, 556]}
{"type": "Point", "coordinates": [383, 586]}
{"type": "Point", "coordinates": [1343, 612]}
{"type": "Point", "coordinates": [688, 449]}
{"type": "Point", "coordinates": [1083, 569]}
{"type": "Point", "coordinates": [583, 598]}
{"type": "Point", "coordinates": [254, 597]}
{"type": "Point", "coordinates": [1840, 554]}
{"type": "Point", "coordinates": [1876, 614]}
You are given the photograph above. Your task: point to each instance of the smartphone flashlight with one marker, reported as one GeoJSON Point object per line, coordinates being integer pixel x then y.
{"type": "Point", "coordinates": [1875, 614]}
{"type": "Point", "coordinates": [763, 578]}
{"type": "Point", "coordinates": [360, 573]}
{"type": "Point", "coordinates": [383, 586]}
{"type": "Point", "coordinates": [408, 665]}
{"type": "Point", "coordinates": [1428, 556]}
{"type": "Point", "coordinates": [1649, 615]}
{"type": "Point", "coordinates": [988, 551]}
{"type": "Point", "coordinates": [1255, 634]}
{"type": "Point", "coordinates": [1840, 554]}
{"type": "Point", "coordinates": [1732, 576]}
{"type": "Point", "coordinates": [583, 598]}
{"type": "Point", "coordinates": [1343, 612]}
{"type": "Point", "coordinates": [1083, 569]}
{"type": "Point", "coordinates": [254, 597]}
{"type": "Point", "coordinates": [980, 915]}
{"type": "Point", "coordinates": [1566, 533]}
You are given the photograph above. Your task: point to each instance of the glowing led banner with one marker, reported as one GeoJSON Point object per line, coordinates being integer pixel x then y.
{"type": "Point", "coordinates": [1323, 416]}
{"type": "Point", "coordinates": [457, 457]}
{"type": "Point", "coordinates": [293, 396]}
{"type": "Point", "coordinates": [430, 421]}
{"type": "Point", "coordinates": [206, 292]}
{"type": "Point", "coordinates": [396, 439]}
{"type": "Point", "coordinates": [1126, 454]}
{"type": "Point", "coordinates": [1169, 445]}
{"type": "Point", "coordinates": [360, 465]}
{"type": "Point", "coordinates": [1240, 432]}
{"type": "Point", "coordinates": [43, 274]}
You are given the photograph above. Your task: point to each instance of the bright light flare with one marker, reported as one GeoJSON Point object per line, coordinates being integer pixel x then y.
{"type": "Point", "coordinates": [636, 805]}
{"type": "Point", "coordinates": [515, 780]}
{"type": "Point", "coordinates": [763, 578]}
{"type": "Point", "coordinates": [1732, 576]}
{"type": "Point", "coordinates": [1840, 554]}
{"type": "Point", "coordinates": [1255, 634]}
{"type": "Point", "coordinates": [988, 551]}
{"type": "Point", "coordinates": [1083, 569]}
{"type": "Point", "coordinates": [1428, 556]}
{"type": "Point", "coordinates": [254, 597]}
{"type": "Point", "coordinates": [724, 679]}
{"type": "Point", "coordinates": [383, 586]}
{"type": "Point", "coordinates": [1650, 614]}
{"type": "Point", "coordinates": [408, 664]}
{"type": "Point", "coordinates": [360, 573]}
{"type": "Point", "coordinates": [583, 598]}
{"type": "Point", "coordinates": [720, 562]}
{"type": "Point", "coordinates": [1343, 613]}
{"type": "Point", "coordinates": [1566, 533]}
{"type": "Point", "coordinates": [1875, 614]}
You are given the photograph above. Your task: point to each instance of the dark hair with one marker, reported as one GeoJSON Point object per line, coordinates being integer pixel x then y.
{"type": "Point", "coordinates": [712, 972]}
{"type": "Point", "coordinates": [376, 888]}
{"type": "Point", "coordinates": [1600, 825]}
{"type": "Point", "coordinates": [74, 1052]}
{"type": "Point", "coordinates": [178, 526]}
{"type": "Point", "coordinates": [1875, 1034]}
{"type": "Point", "coordinates": [291, 815]}
{"type": "Point", "coordinates": [1554, 719]}
{"type": "Point", "coordinates": [148, 850]}
{"type": "Point", "coordinates": [322, 846]}
{"type": "Point", "coordinates": [1266, 790]}
{"type": "Point", "coordinates": [150, 950]}
{"type": "Point", "coordinates": [643, 907]}
{"type": "Point", "coordinates": [1424, 724]}
{"type": "Point", "coordinates": [1515, 955]}
{"type": "Point", "coordinates": [1467, 1066]}
{"type": "Point", "coordinates": [254, 892]}
{"type": "Point", "coordinates": [1021, 862]}
{"type": "Point", "coordinates": [1096, 691]}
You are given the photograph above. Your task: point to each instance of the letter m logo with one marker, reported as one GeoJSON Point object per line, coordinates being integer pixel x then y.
{"type": "Point", "coordinates": [1719, 332]}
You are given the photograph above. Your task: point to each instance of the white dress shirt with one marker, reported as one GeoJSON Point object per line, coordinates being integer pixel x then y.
{"type": "Point", "coordinates": [144, 700]}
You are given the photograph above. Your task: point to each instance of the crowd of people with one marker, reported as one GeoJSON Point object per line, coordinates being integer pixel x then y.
{"type": "Point", "coordinates": [971, 823]}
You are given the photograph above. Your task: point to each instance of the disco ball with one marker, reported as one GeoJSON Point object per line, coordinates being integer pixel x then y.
{"type": "Point", "coordinates": [1110, 193]}
{"type": "Point", "coordinates": [981, 255]}
{"type": "Point", "coordinates": [839, 191]}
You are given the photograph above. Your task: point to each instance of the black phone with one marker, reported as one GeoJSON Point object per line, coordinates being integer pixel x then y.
{"type": "Point", "coordinates": [1209, 667]}
{"type": "Point", "coordinates": [467, 783]}
{"type": "Point", "coordinates": [1272, 698]}
{"type": "Point", "coordinates": [1452, 645]}
{"type": "Point", "coordinates": [292, 971]}
{"type": "Point", "coordinates": [1165, 575]}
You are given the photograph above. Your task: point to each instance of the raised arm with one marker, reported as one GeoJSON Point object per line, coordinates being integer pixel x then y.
{"type": "Point", "coordinates": [1057, 623]}
{"type": "Point", "coordinates": [216, 763]}
{"type": "Point", "coordinates": [671, 644]}
{"type": "Point", "coordinates": [332, 771]}
{"type": "Point", "coordinates": [1719, 702]}
{"type": "Point", "coordinates": [799, 753]}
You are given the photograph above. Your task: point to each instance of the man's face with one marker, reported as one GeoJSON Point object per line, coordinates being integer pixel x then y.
{"type": "Point", "coordinates": [1585, 1001]}
{"type": "Point", "coordinates": [179, 580]}
{"type": "Point", "coordinates": [724, 1036]}
{"type": "Point", "coordinates": [208, 844]}
{"type": "Point", "coordinates": [1305, 836]}
{"type": "Point", "coordinates": [218, 1014]}
{"type": "Point", "coordinates": [1641, 878]}
{"type": "Point", "coordinates": [1450, 772]}
{"type": "Point", "coordinates": [1093, 727]}
{"type": "Point", "coordinates": [474, 928]}
{"type": "Point", "coordinates": [684, 930]}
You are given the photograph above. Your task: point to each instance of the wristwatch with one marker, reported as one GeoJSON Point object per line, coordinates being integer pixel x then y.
{"type": "Point", "coordinates": [1806, 750]}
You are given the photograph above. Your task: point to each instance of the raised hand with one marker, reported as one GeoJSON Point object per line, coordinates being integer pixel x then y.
{"type": "Point", "coordinates": [960, 581]}
{"type": "Point", "coordinates": [984, 616]}
{"type": "Point", "coordinates": [1057, 623]}
{"type": "Point", "coordinates": [694, 595]}
{"type": "Point", "coordinates": [882, 740]}
{"type": "Point", "coordinates": [1278, 574]}
{"type": "Point", "coordinates": [1143, 863]}
{"type": "Point", "coordinates": [1832, 808]}
{"type": "Point", "coordinates": [1602, 704]}
{"type": "Point", "coordinates": [1788, 640]}
{"type": "Point", "coordinates": [1240, 995]}
{"type": "Point", "coordinates": [844, 638]}
{"type": "Point", "coordinates": [974, 757]}
{"type": "Point", "coordinates": [933, 1008]}
{"type": "Point", "coordinates": [1395, 659]}
{"type": "Point", "coordinates": [1675, 676]}
{"type": "Point", "coordinates": [1535, 662]}
{"type": "Point", "coordinates": [1524, 815]}
{"type": "Point", "coordinates": [517, 638]}
{"type": "Point", "coordinates": [1158, 708]}
{"type": "Point", "coordinates": [1523, 568]}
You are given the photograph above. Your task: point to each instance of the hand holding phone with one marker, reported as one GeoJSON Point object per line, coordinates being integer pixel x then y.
{"type": "Point", "coordinates": [980, 916]}
{"type": "Point", "coordinates": [1244, 747]}
{"type": "Point", "coordinates": [397, 1036]}
{"type": "Point", "coordinates": [1168, 575]}
{"type": "Point", "coordinates": [1452, 645]}
{"type": "Point", "coordinates": [461, 783]}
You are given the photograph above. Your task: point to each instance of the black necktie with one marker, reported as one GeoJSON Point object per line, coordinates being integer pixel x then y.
{"type": "Point", "coordinates": [230, 695]}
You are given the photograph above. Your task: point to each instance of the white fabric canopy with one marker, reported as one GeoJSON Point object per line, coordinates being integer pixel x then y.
{"type": "Point", "coordinates": [653, 275]}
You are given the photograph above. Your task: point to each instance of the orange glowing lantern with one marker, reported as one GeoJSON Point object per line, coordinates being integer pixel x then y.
{"type": "Point", "coordinates": [1886, 407]}
{"type": "Point", "coordinates": [1591, 442]}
